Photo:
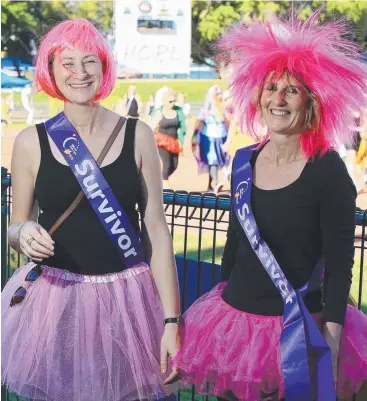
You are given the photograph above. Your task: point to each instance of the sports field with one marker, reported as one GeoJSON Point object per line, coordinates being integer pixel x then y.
{"type": "Point", "coordinates": [195, 90]}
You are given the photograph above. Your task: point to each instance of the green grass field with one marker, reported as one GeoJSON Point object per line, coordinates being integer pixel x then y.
{"type": "Point", "coordinates": [194, 89]}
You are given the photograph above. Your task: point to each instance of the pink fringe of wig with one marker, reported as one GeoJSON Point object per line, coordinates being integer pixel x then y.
{"type": "Point", "coordinates": [318, 56]}
{"type": "Point", "coordinates": [69, 34]}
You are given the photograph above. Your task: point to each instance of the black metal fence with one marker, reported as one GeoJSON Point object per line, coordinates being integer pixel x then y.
{"type": "Point", "coordinates": [198, 224]}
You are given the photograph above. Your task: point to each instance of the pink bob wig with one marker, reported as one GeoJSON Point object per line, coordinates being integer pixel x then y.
{"type": "Point", "coordinates": [319, 57]}
{"type": "Point", "coordinates": [81, 34]}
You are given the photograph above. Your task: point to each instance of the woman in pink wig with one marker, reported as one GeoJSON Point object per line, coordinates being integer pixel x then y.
{"type": "Point", "coordinates": [293, 214]}
{"type": "Point", "coordinates": [83, 321]}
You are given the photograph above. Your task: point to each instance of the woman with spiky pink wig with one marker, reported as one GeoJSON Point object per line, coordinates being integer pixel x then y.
{"type": "Point", "coordinates": [302, 80]}
{"type": "Point", "coordinates": [81, 322]}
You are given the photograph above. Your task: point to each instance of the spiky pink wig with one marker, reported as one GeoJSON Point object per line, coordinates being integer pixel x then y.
{"type": "Point", "coordinates": [319, 57]}
{"type": "Point", "coordinates": [81, 34]}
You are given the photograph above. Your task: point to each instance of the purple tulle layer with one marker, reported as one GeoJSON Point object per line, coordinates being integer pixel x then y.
{"type": "Point", "coordinates": [83, 338]}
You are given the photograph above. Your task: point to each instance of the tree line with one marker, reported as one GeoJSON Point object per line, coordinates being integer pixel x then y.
{"type": "Point", "coordinates": [25, 22]}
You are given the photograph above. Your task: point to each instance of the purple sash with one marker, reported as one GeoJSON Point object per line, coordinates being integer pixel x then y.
{"type": "Point", "coordinates": [300, 336]}
{"type": "Point", "coordinates": [96, 189]}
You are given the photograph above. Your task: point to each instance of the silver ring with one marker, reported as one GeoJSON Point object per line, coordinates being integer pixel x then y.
{"type": "Point", "coordinates": [29, 241]}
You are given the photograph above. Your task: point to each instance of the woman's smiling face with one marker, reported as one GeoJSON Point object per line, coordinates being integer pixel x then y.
{"type": "Point", "coordinates": [283, 105]}
{"type": "Point", "coordinates": [78, 75]}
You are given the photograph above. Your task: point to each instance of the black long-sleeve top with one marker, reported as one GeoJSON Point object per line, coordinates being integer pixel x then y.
{"type": "Point", "coordinates": [313, 216]}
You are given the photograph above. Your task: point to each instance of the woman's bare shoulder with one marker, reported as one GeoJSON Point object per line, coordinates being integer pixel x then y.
{"type": "Point", "coordinates": [144, 139]}
{"type": "Point", "coordinates": [27, 139]}
{"type": "Point", "coordinates": [26, 151]}
{"type": "Point", "coordinates": [143, 131]}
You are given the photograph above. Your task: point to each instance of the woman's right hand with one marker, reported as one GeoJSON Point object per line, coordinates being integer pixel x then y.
{"type": "Point", "coordinates": [225, 146]}
{"type": "Point", "coordinates": [35, 242]}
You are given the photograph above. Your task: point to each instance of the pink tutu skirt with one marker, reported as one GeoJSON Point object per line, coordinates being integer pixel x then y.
{"type": "Point", "coordinates": [83, 338]}
{"type": "Point", "coordinates": [228, 352]}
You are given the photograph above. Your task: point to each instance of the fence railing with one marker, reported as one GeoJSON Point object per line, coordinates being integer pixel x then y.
{"type": "Point", "coordinates": [198, 224]}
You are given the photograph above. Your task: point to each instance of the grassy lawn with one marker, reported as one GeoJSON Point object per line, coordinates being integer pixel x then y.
{"type": "Point", "coordinates": [194, 89]}
{"type": "Point", "coordinates": [192, 251]}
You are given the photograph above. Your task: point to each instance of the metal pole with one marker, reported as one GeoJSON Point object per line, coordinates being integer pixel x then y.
{"type": "Point", "coordinates": [5, 182]}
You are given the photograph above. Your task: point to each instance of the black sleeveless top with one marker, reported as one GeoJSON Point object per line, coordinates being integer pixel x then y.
{"type": "Point", "coordinates": [169, 126]}
{"type": "Point", "coordinates": [81, 243]}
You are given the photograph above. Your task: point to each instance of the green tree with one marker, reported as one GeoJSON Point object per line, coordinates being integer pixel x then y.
{"type": "Point", "coordinates": [210, 18]}
{"type": "Point", "coordinates": [17, 26]}
{"type": "Point", "coordinates": [355, 11]}
{"type": "Point", "coordinates": [100, 13]}
{"type": "Point", "coordinates": [24, 23]}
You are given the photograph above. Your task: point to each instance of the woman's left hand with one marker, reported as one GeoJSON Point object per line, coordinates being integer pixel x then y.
{"type": "Point", "coordinates": [332, 332]}
{"type": "Point", "coordinates": [170, 344]}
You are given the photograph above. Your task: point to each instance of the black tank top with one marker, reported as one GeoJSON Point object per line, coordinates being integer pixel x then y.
{"type": "Point", "coordinates": [81, 243]}
{"type": "Point", "coordinates": [169, 126]}
{"type": "Point", "coordinates": [133, 108]}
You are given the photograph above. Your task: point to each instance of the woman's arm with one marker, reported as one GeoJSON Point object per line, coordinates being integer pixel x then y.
{"type": "Point", "coordinates": [156, 119]}
{"type": "Point", "coordinates": [158, 240]}
{"type": "Point", "coordinates": [124, 109]}
{"type": "Point", "coordinates": [337, 222]}
{"type": "Point", "coordinates": [140, 104]}
{"type": "Point", "coordinates": [231, 130]}
{"type": "Point", "coordinates": [23, 226]}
